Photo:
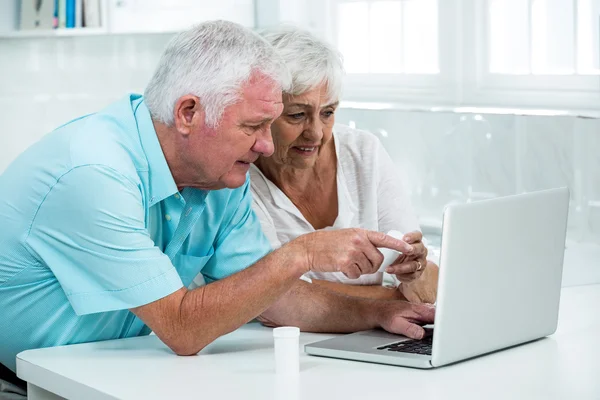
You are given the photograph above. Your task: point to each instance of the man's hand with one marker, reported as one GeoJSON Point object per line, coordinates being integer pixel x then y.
{"type": "Point", "coordinates": [409, 266]}
{"type": "Point", "coordinates": [404, 318]}
{"type": "Point", "coordinates": [351, 251]}
{"type": "Point", "coordinates": [424, 289]}
{"type": "Point", "coordinates": [313, 308]}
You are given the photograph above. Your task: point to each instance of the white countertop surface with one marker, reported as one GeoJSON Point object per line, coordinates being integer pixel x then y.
{"type": "Point", "coordinates": [240, 365]}
{"type": "Point", "coordinates": [582, 263]}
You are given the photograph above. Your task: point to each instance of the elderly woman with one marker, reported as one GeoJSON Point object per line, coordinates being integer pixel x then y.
{"type": "Point", "coordinates": [323, 176]}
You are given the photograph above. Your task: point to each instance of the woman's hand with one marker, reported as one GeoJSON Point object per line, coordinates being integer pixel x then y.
{"type": "Point", "coordinates": [409, 267]}
{"type": "Point", "coordinates": [424, 289]}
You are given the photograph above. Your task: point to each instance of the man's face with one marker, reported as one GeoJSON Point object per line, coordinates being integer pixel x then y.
{"type": "Point", "coordinates": [223, 154]}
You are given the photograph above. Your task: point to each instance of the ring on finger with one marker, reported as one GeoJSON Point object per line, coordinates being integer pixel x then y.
{"type": "Point", "coordinates": [420, 266]}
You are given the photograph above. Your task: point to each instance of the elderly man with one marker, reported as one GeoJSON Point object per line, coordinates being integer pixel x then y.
{"type": "Point", "coordinates": [109, 218]}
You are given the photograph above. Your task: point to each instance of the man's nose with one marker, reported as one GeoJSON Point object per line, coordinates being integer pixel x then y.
{"type": "Point", "coordinates": [264, 144]}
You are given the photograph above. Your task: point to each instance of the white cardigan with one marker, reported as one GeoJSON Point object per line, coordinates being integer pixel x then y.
{"type": "Point", "coordinates": [370, 196]}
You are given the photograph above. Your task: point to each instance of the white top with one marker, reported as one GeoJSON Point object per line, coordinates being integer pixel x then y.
{"type": "Point", "coordinates": [370, 196]}
{"type": "Point", "coordinates": [286, 332]}
{"type": "Point", "coordinates": [241, 365]}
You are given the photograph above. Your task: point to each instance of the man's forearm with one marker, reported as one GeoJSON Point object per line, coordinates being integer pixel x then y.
{"type": "Point", "coordinates": [221, 307]}
{"type": "Point", "coordinates": [314, 308]}
{"type": "Point", "coordinates": [188, 320]}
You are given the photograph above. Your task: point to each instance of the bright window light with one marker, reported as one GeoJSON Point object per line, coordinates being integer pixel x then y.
{"type": "Point", "coordinates": [389, 37]}
{"type": "Point", "coordinates": [553, 37]}
{"type": "Point", "coordinates": [353, 36]}
{"type": "Point", "coordinates": [588, 35]}
{"type": "Point", "coordinates": [386, 37]}
{"type": "Point", "coordinates": [509, 36]}
{"type": "Point", "coordinates": [543, 37]}
{"type": "Point", "coordinates": [421, 37]}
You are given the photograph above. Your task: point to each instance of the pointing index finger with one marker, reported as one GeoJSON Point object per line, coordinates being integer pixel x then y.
{"type": "Point", "coordinates": [380, 239]}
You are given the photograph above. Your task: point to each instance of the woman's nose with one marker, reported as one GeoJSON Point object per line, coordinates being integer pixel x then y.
{"type": "Point", "coordinates": [314, 130]}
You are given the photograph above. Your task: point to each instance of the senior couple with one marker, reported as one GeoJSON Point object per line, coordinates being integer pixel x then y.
{"type": "Point", "coordinates": [223, 194]}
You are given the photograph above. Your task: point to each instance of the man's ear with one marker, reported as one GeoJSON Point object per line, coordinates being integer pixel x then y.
{"type": "Point", "coordinates": [189, 114]}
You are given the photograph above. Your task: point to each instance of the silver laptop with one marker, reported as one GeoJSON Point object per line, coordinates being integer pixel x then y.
{"type": "Point", "coordinates": [499, 285]}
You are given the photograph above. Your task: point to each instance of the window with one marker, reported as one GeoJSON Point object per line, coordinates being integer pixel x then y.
{"type": "Point", "coordinates": [529, 53]}
{"type": "Point", "coordinates": [389, 36]}
{"type": "Point", "coordinates": [542, 37]}
{"type": "Point", "coordinates": [391, 48]}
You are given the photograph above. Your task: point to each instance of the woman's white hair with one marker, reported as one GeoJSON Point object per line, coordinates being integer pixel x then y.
{"type": "Point", "coordinates": [212, 61]}
{"type": "Point", "coordinates": [310, 60]}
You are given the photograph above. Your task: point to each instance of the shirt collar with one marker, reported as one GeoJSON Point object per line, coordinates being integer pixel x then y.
{"type": "Point", "coordinates": [161, 182]}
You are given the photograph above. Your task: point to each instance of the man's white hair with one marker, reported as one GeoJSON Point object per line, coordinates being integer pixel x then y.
{"type": "Point", "coordinates": [212, 61]}
{"type": "Point", "coordinates": [310, 60]}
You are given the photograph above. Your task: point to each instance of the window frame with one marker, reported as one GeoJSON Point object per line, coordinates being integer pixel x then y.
{"type": "Point", "coordinates": [406, 87]}
{"type": "Point", "coordinates": [570, 92]}
{"type": "Point", "coordinates": [464, 78]}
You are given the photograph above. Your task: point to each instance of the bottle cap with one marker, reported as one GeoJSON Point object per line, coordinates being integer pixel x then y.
{"type": "Point", "coordinates": [286, 332]}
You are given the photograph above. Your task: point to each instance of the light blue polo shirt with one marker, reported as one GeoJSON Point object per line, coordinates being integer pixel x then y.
{"type": "Point", "coordinates": [92, 224]}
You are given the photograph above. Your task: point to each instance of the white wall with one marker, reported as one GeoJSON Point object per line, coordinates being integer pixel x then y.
{"type": "Point", "coordinates": [46, 82]}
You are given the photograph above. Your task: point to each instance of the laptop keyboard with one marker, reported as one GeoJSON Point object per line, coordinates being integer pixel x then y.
{"type": "Point", "coordinates": [413, 346]}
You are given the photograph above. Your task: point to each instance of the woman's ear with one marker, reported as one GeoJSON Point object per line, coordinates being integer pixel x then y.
{"type": "Point", "coordinates": [189, 114]}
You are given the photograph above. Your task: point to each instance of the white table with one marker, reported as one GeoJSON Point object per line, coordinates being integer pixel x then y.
{"type": "Point", "coordinates": [240, 366]}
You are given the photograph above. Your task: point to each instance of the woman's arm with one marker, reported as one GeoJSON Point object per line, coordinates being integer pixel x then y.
{"type": "Point", "coordinates": [365, 291]}
{"type": "Point", "coordinates": [424, 289]}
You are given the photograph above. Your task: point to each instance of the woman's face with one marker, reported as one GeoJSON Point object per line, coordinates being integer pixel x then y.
{"type": "Point", "coordinates": [304, 128]}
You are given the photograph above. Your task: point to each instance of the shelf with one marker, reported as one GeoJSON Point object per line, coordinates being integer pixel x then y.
{"type": "Point", "coordinates": [77, 32]}
{"type": "Point", "coordinates": [64, 32]}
